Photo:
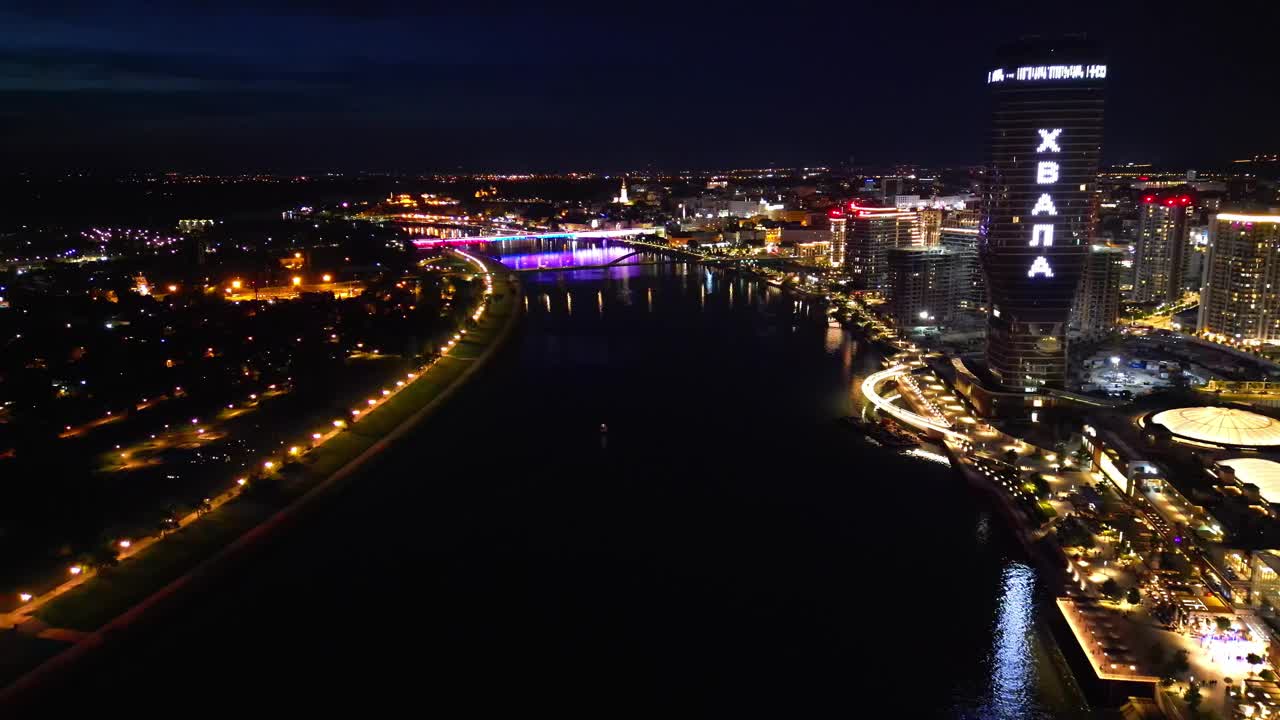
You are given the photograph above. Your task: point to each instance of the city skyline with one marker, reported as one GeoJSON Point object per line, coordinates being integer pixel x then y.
{"type": "Point", "coordinates": [377, 88]}
{"type": "Point", "coordinates": [332, 333]}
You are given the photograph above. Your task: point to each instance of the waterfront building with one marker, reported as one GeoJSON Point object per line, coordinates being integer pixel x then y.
{"type": "Point", "coordinates": [872, 233]}
{"type": "Point", "coordinates": [1163, 247]}
{"type": "Point", "coordinates": [809, 245]}
{"type": "Point", "coordinates": [1097, 307]}
{"type": "Point", "coordinates": [839, 228]}
{"type": "Point", "coordinates": [962, 243]}
{"type": "Point", "coordinates": [923, 285]}
{"type": "Point", "coordinates": [813, 252]}
{"type": "Point", "coordinates": [1240, 290]}
{"type": "Point", "coordinates": [1038, 206]}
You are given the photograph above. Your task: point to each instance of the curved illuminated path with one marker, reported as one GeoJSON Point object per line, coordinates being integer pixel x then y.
{"type": "Point", "coordinates": [901, 414]}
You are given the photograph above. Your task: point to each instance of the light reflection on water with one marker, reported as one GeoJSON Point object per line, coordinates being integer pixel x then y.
{"type": "Point", "coordinates": [569, 257]}
{"type": "Point", "coordinates": [833, 340]}
{"type": "Point", "coordinates": [1013, 669]}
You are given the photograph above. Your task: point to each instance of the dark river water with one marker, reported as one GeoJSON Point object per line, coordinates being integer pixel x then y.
{"type": "Point", "coordinates": [724, 547]}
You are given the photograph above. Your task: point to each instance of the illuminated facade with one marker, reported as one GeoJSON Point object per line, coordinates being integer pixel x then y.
{"type": "Point", "coordinates": [1163, 247]}
{"type": "Point", "coordinates": [815, 252]}
{"type": "Point", "coordinates": [1038, 207]}
{"type": "Point", "coordinates": [872, 232]}
{"type": "Point", "coordinates": [839, 228]}
{"type": "Point", "coordinates": [1240, 290]}
{"type": "Point", "coordinates": [930, 220]}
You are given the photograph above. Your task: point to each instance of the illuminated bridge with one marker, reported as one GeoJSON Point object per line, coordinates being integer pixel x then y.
{"type": "Point", "coordinates": [582, 235]}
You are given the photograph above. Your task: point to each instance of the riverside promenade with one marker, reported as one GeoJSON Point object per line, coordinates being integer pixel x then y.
{"type": "Point", "coordinates": [96, 609]}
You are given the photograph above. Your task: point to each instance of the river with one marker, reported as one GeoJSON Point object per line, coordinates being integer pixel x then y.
{"type": "Point", "coordinates": [724, 547]}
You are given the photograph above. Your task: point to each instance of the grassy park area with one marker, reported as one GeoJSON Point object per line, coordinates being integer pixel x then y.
{"type": "Point", "coordinates": [113, 590]}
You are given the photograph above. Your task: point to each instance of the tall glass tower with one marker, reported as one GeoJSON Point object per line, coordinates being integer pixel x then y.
{"type": "Point", "coordinates": [1038, 204]}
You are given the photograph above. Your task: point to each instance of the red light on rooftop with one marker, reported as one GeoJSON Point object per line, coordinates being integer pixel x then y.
{"type": "Point", "coordinates": [1143, 178]}
{"type": "Point", "coordinates": [836, 212]}
{"type": "Point", "coordinates": [1184, 200]}
{"type": "Point", "coordinates": [1149, 198]}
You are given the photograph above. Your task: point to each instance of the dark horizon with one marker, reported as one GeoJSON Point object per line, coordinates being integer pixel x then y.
{"type": "Point", "coordinates": [278, 88]}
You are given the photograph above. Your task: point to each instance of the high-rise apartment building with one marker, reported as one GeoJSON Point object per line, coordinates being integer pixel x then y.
{"type": "Point", "coordinates": [962, 243]}
{"type": "Point", "coordinates": [1038, 205]}
{"type": "Point", "coordinates": [1097, 309]}
{"type": "Point", "coordinates": [922, 285]}
{"type": "Point", "coordinates": [839, 237]}
{"type": "Point", "coordinates": [1240, 292]}
{"type": "Point", "coordinates": [872, 233]}
{"type": "Point", "coordinates": [1163, 247]}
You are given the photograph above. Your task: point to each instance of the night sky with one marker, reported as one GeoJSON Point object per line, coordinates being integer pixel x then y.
{"type": "Point", "coordinates": [369, 85]}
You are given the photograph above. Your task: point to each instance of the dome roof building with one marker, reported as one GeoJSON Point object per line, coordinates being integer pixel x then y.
{"type": "Point", "coordinates": [1221, 426]}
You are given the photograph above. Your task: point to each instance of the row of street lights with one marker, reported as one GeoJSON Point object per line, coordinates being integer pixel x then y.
{"type": "Point", "coordinates": [78, 571]}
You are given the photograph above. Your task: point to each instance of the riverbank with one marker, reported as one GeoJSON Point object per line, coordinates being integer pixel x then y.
{"type": "Point", "coordinates": [109, 602]}
{"type": "Point", "coordinates": [1062, 682]}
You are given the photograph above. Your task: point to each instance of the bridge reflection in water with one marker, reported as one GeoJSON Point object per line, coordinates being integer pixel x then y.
{"type": "Point", "coordinates": [570, 255]}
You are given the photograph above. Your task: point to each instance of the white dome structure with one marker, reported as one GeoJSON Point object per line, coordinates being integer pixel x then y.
{"type": "Point", "coordinates": [1221, 426]}
{"type": "Point", "coordinates": [1258, 471]}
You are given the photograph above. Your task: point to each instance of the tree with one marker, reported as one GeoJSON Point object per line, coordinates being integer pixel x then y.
{"type": "Point", "coordinates": [1178, 663]}
{"type": "Point", "coordinates": [1193, 697]}
{"type": "Point", "coordinates": [1041, 487]}
{"type": "Point", "coordinates": [1224, 623]}
{"type": "Point", "coordinates": [1111, 588]}
{"type": "Point", "coordinates": [1267, 675]}
{"type": "Point", "coordinates": [1134, 597]}
{"type": "Point", "coordinates": [1253, 659]}
{"type": "Point", "coordinates": [1010, 456]}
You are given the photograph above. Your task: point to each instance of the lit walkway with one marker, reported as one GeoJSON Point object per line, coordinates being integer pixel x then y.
{"type": "Point", "coordinates": [871, 392]}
